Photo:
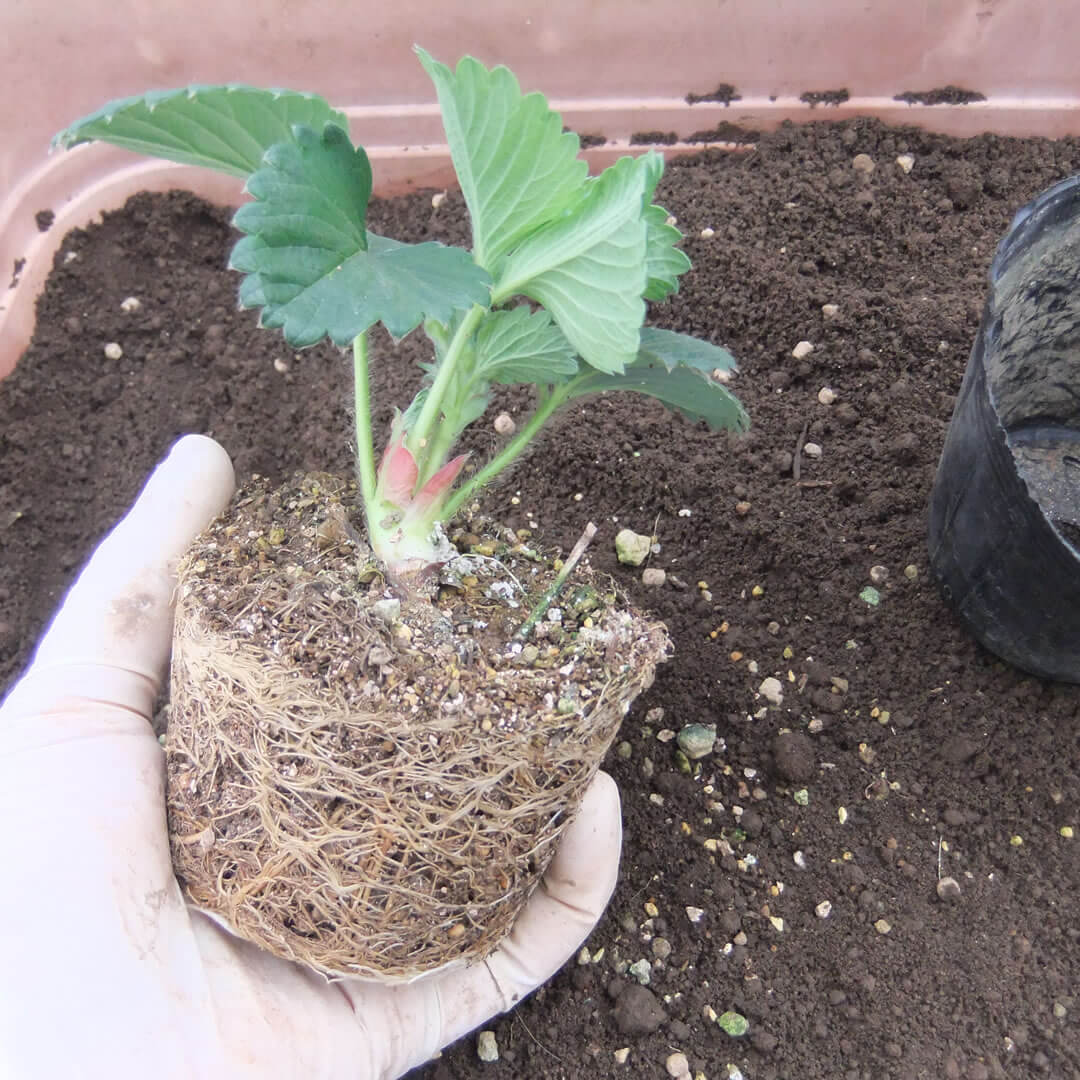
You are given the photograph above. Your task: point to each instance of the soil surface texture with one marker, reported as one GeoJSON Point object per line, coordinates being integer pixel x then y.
{"type": "Point", "coordinates": [866, 748]}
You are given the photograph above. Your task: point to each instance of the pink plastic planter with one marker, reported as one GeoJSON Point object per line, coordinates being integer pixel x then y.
{"type": "Point", "coordinates": [613, 67]}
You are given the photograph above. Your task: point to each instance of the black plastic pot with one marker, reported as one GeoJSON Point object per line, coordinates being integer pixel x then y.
{"type": "Point", "coordinates": [1005, 509]}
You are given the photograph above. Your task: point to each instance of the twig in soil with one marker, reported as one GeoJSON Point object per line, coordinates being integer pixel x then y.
{"type": "Point", "coordinates": [517, 1016]}
{"type": "Point", "coordinates": [939, 858]}
{"type": "Point", "coordinates": [814, 483]}
{"type": "Point", "coordinates": [552, 590]}
{"type": "Point", "coordinates": [796, 461]}
{"type": "Point", "coordinates": [652, 537]}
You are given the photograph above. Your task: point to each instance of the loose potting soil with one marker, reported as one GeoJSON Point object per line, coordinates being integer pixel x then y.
{"type": "Point", "coordinates": [866, 750]}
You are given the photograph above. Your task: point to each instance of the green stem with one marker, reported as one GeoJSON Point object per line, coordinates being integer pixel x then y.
{"type": "Point", "coordinates": [554, 588]}
{"type": "Point", "coordinates": [420, 435]}
{"type": "Point", "coordinates": [438, 452]}
{"type": "Point", "coordinates": [365, 453]}
{"type": "Point", "coordinates": [508, 454]}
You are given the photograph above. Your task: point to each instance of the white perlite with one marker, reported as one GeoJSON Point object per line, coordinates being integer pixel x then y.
{"type": "Point", "coordinates": [487, 1049]}
{"type": "Point", "coordinates": [113, 351]}
{"type": "Point", "coordinates": [771, 690]}
{"type": "Point", "coordinates": [632, 548]}
{"type": "Point", "coordinates": [677, 1065]}
{"type": "Point", "coordinates": [804, 348]}
{"type": "Point", "coordinates": [830, 311]}
{"type": "Point", "coordinates": [906, 162]}
{"type": "Point", "coordinates": [826, 395]}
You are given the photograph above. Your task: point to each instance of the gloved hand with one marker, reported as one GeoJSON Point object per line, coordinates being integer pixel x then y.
{"type": "Point", "coordinates": [103, 970]}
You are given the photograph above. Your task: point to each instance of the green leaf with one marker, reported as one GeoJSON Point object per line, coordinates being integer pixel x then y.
{"type": "Point", "coordinates": [315, 270]}
{"type": "Point", "coordinates": [588, 267]}
{"type": "Point", "coordinates": [664, 262]}
{"type": "Point", "coordinates": [678, 370]}
{"type": "Point", "coordinates": [227, 128]}
{"type": "Point", "coordinates": [521, 346]}
{"type": "Point", "coordinates": [516, 166]}
{"type": "Point", "coordinates": [675, 350]}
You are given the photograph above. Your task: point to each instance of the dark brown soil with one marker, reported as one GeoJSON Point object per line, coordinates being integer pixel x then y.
{"type": "Point", "coordinates": [945, 762]}
{"type": "Point", "coordinates": [942, 95]}
{"type": "Point", "coordinates": [724, 94]}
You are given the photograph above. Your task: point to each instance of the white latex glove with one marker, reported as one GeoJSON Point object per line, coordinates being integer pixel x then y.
{"type": "Point", "coordinates": [103, 970]}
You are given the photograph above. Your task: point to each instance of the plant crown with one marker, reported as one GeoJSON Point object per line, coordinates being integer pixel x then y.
{"type": "Point", "coordinates": [552, 294]}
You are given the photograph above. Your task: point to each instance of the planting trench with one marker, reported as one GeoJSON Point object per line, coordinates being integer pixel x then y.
{"type": "Point", "coordinates": [919, 755]}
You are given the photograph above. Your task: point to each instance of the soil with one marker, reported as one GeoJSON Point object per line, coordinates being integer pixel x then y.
{"type": "Point", "coordinates": [795, 879]}
{"type": "Point", "coordinates": [941, 95]}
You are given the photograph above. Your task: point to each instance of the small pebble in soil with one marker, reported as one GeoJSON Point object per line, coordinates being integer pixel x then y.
{"type": "Point", "coordinates": [911, 572]}
{"type": "Point", "coordinates": [863, 163]}
{"type": "Point", "coordinates": [812, 450]}
{"type": "Point", "coordinates": [879, 574]}
{"type": "Point", "coordinates": [707, 233]}
{"type": "Point", "coordinates": [694, 914]}
{"type": "Point", "coordinates": [906, 162]}
{"type": "Point", "coordinates": [504, 424]}
{"type": "Point", "coordinates": [830, 311]}
{"type": "Point", "coordinates": [281, 366]}
{"type": "Point", "coordinates": [388, 611]}
{"type": "Point", "coordinates": [883, 926]}
{"type": "Point", "coordinates": [742, 508]}
{"type": "Point", "coordinates": [677, 1065]}
{"type": "Point", "coordinates": [826, 395]}
{"type": "Point", "coordinates": [113, 351]}
{"type": "Point", "coordinates": [824, 909]}
{"type": "Point", "coordinates": [948, 889]}
{"type": "Point", "coordinates": [438, 199]}
{"type": "Point", "coordinates": [130, 304]}
{"type": "Point", "coordinates": [632, 548]}
{"type": "Point", "coordinates": [487, 1049]}
{"type": "Point", "coordinates": [697, 740]}
{"type": "Point", "coordinates": [803, 348]}
{"type": "Point", "coordinates": [653, 576]}
{"type": "Point", "coordinates": [621, 1055]}
{"type": "Point", "coordinates": [772, 690]}
{"type": "Point", "coordinates": [735, 1024]}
